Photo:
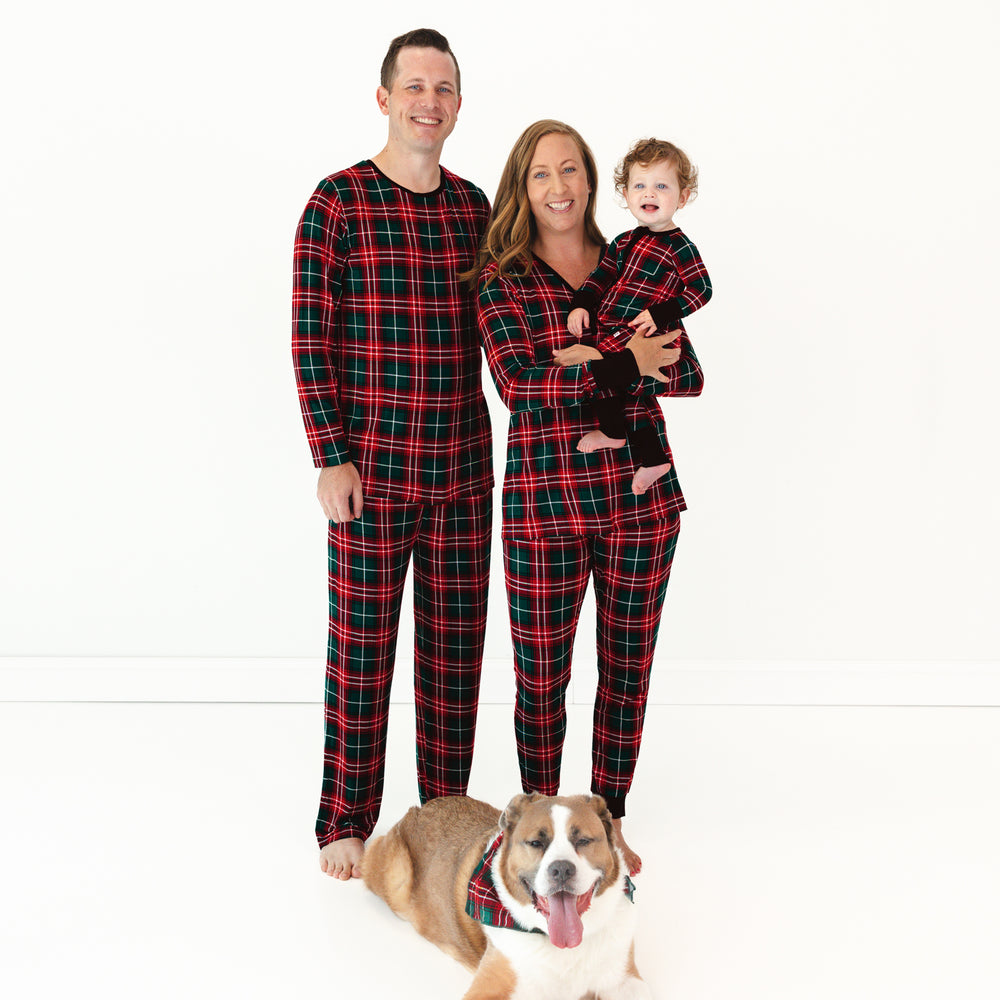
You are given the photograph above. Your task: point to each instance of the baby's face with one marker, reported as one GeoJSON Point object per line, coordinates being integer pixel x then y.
{"type": "Point", "coordinates": [653, 194]}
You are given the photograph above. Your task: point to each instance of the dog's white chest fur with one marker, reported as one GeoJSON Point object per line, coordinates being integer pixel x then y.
{"type": "Point", "coordinates": [598, 966]}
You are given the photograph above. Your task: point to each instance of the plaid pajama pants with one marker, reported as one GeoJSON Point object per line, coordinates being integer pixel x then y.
{"type": "Point", "coordinates": [368, 560]}
{"type": "Point", "coordinates": [546, 582]}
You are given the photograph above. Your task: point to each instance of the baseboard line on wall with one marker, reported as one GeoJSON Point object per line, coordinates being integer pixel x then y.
{"type": "Point", "coordinates": [702, 682]}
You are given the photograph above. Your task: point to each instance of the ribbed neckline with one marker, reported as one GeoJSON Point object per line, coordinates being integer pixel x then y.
{"type": "Point", "coordinates": [416, 194]}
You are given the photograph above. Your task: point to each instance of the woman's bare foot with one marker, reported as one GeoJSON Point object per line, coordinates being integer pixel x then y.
{"type": "Point", "coordinates": [342, 858]}
{"type": "Point", "coordinates": [632, 860]}
{"type": "Point", "coordinates": [644, 478]}
{"type": "Point", "coordinates": [595, 440]}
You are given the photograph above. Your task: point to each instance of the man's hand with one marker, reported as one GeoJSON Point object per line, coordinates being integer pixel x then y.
{"type": "Point", "coordinates": [578, 321]}
{"type": "Point", "coordinates": [339, 492]}
{"type": "Point", "coordinates": [575, 355]}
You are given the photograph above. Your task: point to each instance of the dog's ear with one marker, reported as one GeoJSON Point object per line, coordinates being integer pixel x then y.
{"type": "Point", "coordinates": [516, 806]}
{"type": "Point", "coordinates": [604, 814]}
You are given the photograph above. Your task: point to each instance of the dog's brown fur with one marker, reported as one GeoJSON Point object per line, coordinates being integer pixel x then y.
{"type": "Point", "coordinates": [407, 871]}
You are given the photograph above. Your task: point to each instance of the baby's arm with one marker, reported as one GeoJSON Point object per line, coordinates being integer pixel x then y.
{"type": "Point", "coordinates": [587, 298]}
{"type": "Point", "coordinates": [696, 292]}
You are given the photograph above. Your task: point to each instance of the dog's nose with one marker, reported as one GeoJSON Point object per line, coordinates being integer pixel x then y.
{"type": "Point", "coordinates": [560, 872]}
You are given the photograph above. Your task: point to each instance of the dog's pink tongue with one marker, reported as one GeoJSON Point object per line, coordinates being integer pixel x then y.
{"type": "Point", "coordinates": [565, 925]}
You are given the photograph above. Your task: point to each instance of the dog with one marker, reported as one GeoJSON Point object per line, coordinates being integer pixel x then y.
{"type": "Point", "coordinates": [535, 900]}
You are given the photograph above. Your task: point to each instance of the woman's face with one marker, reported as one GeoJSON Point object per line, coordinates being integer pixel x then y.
{"type": "Point", "coordinates": [558, 189]}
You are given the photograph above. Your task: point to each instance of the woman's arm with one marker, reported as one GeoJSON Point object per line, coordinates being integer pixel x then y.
{"type": "Point", "coordinates": [525, 384]}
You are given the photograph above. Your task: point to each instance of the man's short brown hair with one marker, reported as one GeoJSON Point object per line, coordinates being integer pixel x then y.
{"type": "Point", "coordinates": [419, 38]}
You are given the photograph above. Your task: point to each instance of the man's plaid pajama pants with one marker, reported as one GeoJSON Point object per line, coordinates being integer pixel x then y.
{"type": "Point", "coordinates": [368, 560]}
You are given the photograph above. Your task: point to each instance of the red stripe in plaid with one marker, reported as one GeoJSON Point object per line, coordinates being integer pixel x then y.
{"type": "Point", "coordinates": [384, 340]}
{"type": "Point", "coordinates": [450, 544]}
{"type": "Point", "coordinates": [546, 583]}
{"type": "Point", "coordinates": [549, 486]}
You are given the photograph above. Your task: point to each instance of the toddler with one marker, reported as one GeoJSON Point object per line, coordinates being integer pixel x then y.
{"type": "Point", "coordinates": [646, 281]}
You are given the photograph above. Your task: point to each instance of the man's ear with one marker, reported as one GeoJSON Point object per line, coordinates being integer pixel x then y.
{"type": "Point", "coordinates": [382, 96]}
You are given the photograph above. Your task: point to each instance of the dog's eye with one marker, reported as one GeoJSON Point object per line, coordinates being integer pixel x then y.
{"type": "Point", "coordinates": [584, 841]}
{"type": "Point", "coordinates": [537, 844]}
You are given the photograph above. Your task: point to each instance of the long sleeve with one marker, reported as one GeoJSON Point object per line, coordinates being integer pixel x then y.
{"type": "Point", "coordinates": [524, 383]}
{"type": "Point", "coordinates": [696, 290]}
{"type": "Point", "coordinates": [318, 266]}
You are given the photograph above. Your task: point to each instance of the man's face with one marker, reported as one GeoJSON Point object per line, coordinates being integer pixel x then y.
{"type": "Point", "coordinates": [422, 104]}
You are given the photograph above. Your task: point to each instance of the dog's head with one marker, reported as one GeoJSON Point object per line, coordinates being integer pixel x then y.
{"type": "Point", "coordinates": [558, 854]}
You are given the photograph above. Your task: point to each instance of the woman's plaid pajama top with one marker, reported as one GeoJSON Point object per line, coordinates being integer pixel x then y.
{"type": "Point", "coordinates": [550, 487]}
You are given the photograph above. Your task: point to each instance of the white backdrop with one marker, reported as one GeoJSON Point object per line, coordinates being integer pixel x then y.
{"type": "Point", "coordinates": [159, 497]}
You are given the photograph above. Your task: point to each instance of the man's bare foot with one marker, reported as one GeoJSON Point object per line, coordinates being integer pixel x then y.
{"type": "Point", "coordinates": [644, 478]}
{"type": "Point", "coordinates": [595, 440]}
{"type": "Point", "coordinates": [342, 858]}
{"type": "Point", "coordinates": [632, 860]}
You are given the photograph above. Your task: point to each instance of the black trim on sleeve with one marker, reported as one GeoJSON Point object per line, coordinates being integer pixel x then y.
{"type": "Point", "coordinates": [666, 315]}
{"type": "Point", "coordinates": [615, 371]}
{"type": "Point", "coordinates": [584, 298]}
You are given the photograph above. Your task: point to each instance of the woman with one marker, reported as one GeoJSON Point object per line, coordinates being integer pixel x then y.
{"type": "Point", "coordinates": [568, 515]}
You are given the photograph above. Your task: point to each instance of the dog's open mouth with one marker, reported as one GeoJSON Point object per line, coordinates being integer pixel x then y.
{"type": "Point", "coordinates": [562, 912]}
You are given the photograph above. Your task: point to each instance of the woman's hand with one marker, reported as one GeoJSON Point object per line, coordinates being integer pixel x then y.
{"type": "Point", "coordinates": [576, 355]}
{"type": "Point", "coordinates": [654, 353]}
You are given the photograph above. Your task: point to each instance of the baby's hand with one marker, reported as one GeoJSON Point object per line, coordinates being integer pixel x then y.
{"type": "Point", "coordinates": [579, 320]}
{"type": "Point", "coordinates": [576, 355]}
{"type": "Point", "coordinates": [643, 323]}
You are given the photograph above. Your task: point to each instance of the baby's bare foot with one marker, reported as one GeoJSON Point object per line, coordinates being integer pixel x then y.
{"type": "Point", "coordinates": [632, 860]}
{"type": "Point", "coordinates": [644, 478]}
{"type": "Point", "coordinates": [595, 440]}
{"type": "Point", "coordinates": [342, 858]}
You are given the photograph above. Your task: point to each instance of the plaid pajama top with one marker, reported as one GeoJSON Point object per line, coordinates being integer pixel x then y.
{"type": "Point", "coordinates": [387, 359]}
{"type": "Point", "coordinates": [661, 272]}
{"type": "Point", "coordinates": [550, 488]}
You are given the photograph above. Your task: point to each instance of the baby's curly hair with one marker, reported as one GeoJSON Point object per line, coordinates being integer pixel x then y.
{"type": "Point", "coordinates": [646, 152]}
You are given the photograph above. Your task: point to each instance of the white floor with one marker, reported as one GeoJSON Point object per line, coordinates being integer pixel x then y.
{"type": "Point", "coordinates": [156, 850]}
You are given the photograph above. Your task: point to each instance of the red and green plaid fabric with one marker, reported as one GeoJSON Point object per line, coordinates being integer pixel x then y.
{"type": "Point", "coordinates": [661, 272]}
{"type": "Point", "coordinates": [549, 486]}
{"type": "Point", "coordinates": [449, 546]}
{"type": "Point", "coordinates": [547, 580]}
{"type": "Point", "coordinates": [384, 339]}
{"type": "Point", "coordinates": [483, 902]}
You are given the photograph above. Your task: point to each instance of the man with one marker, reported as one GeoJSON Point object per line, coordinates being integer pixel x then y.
{"type": "Point", "coordinates": [388, 367]}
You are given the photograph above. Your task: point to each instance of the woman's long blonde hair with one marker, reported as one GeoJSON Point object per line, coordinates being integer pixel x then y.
{"type": "Point", "coordinates": [511, 230]}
